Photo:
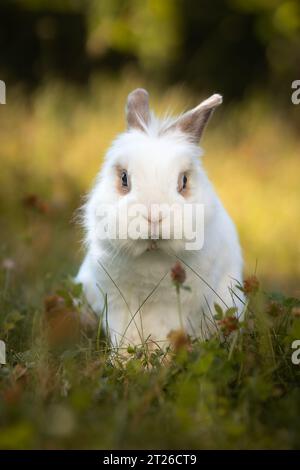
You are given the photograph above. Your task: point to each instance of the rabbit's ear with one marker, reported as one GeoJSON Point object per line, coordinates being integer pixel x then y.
{"type": "Point", "coordinates": [194, 121]}
{"type": "Point", "coordinates": [137, 109]}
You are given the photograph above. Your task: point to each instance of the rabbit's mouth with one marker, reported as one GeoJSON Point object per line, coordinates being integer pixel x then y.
{"type": "Point", "coordinates": [152, 246]}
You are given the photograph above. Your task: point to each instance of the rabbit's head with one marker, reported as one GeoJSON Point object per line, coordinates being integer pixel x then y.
{"type": "Point", "coordinates": [152, 172]}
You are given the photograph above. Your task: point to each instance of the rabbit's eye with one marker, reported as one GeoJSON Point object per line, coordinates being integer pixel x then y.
{"type": "Point", "coordinates": [182, 182]}
{"type": "Point", "coordinates": [124, 179]}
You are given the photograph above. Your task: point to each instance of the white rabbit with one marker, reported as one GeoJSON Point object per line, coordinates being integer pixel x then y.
{"type": "Point", "coordinates": [157, 162]}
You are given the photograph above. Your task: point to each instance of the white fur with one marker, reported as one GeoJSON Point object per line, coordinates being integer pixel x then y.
{"type": "Point", "coordinates": [154, 160]}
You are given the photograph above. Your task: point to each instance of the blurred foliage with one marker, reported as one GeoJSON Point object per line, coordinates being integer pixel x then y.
{"type": "Point", "coordinates": [234, 46]}
{"type": "Point", "coordinates": [148, 30]}
{"type": "Point", "coordinates": [233, 392]}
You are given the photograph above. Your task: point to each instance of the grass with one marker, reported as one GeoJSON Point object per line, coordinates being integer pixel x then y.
{"type": "Point", "coordinates": [63, 390]}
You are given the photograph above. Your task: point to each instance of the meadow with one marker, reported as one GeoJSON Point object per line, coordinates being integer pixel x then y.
{"type": "Point", "coordinates": [60, 387]}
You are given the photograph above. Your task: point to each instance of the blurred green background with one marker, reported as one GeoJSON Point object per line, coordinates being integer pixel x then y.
{"type": "Point", "coordinates": [68, 67]}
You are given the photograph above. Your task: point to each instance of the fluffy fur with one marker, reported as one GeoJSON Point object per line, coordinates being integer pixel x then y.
{"type": "Point", "coordinates": [154, 153]}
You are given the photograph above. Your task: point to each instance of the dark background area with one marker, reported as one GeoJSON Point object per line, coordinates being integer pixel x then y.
{"type": "Point", "coordinates": [235, 46]}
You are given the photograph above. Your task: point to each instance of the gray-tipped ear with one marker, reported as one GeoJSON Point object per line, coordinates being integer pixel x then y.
{"type": "Point", "coordinates": [194, 121]}
{"type": "Point", "coordinates": [137, 109]}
